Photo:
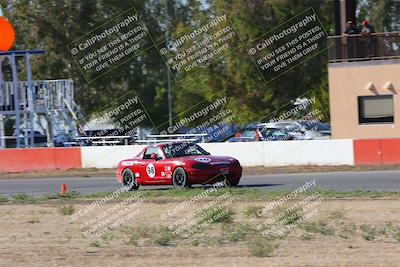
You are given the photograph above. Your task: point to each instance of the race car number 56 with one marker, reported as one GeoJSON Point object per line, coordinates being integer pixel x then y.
{"type": "Point", "coordinates": [151, 170]}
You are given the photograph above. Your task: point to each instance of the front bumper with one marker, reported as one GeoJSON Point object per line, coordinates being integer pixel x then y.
{"type": "Point", "coordinates": [118, 174]}
{"type": "Point", "coordinates": [214, 174]}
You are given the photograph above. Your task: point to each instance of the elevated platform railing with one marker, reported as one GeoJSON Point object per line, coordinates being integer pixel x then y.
{"type": "Point", "coordinates": [47, 94]}
{"type": "Point", "coordinates": [37, 110]}
{"type": "Point", "coordinates": [357, 47]}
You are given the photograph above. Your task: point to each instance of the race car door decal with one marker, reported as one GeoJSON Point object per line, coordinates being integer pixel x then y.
{"type": "Point", "coordinates": [150, 170]}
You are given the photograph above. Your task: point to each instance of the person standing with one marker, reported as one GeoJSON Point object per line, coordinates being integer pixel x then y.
{"type": "Point", "coordinates": [351, 28]}
{"type": "Point", "coordinates": [351, 44]}
{"type": "Point", "coordinates": [368, 31]}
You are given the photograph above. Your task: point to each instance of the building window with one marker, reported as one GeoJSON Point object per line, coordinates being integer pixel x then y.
{"type": "Point", "coordinates": [375, 109]}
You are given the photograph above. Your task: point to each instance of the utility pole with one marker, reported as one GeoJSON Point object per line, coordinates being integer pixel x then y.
{"type": "Point", "coordinates": [343, 15]}
{"type": "Point", "coordinates": [168, 71]}
{"type": "Point", "coordinates": [344, 10]}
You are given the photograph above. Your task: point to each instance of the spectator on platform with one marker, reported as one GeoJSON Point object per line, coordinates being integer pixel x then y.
{"type": "Point", "coordinates": [351, 44]}
{"type": "Point", "coordinates": [368, 31]}
{"type": "Point", "coordinates": [351, 28]}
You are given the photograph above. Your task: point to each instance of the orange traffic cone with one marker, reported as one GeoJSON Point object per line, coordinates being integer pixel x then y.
{"type": "Point", "coordinates": [63, 188]}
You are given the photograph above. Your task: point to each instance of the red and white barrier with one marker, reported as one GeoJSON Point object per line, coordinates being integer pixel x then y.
{"type": "Point", "coordinates": [37, 159]}
{"type": "Point", "coordinates": [377, 152]}
{"type": "Point", "coordinates": [281, 153]}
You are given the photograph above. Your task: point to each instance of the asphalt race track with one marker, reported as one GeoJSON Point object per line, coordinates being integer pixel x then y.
{"type": "Point", "coordinates": [388, 180]}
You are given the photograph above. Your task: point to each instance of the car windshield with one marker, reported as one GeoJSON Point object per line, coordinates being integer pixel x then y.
{"type": "Point", "coordinates": [268, 132]}
{"type": "Point", "coordinates": [275, 132]}
{"type": "Point", "coordinates": [314, 125]}
{"type": "Point", "coordinates": [182, 150]}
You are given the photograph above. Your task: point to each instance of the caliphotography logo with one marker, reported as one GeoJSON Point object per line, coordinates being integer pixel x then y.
{"type": "Point", "coordinates": [195, 48]}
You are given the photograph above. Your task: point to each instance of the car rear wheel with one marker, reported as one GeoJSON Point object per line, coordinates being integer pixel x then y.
{"type": "Point", "coordinates": [179, 178]}
{"type": "Point", "coordinates": [129, 180]}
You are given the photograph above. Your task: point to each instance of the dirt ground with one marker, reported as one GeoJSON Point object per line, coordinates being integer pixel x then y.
{"type": "Point", "coordinates": [343, 232]}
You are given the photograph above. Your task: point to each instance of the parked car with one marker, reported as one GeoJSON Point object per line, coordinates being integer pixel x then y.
{"type": "Point", "coordinates": [293, 128]}
{"type": "Point", "coordinates": [65, 140]}
{"type": "Point", "coordinates": [244, 135]}
{"type": "Point", "coordinates": [275, 134]}
{"type": "Point", "coordinates": [302, 129]}
{"type": "Point", "coordinates": [260, 133]}
{"type": "Point", "coordinates": [322, 130]}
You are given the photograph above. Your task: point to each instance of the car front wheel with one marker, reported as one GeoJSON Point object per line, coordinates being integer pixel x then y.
{"type": "Point", "coordinates": [179, 178]}
{"type": "Point", "coordinates": [129, 180]}
{"type": "Point", "coordinates": [231, 183]}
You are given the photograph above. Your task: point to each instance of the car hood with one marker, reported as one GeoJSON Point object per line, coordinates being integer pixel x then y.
{"type": "Point", "coordinates": [213, 160]}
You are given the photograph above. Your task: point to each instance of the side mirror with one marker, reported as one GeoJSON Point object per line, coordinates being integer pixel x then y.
{"type": "Point", "coordinates": [153, 156]}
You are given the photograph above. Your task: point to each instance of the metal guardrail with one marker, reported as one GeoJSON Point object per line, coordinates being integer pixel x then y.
{"type": "Point", "coordinates": [158, 138]}
{"type": "Point", "coordinates": [148, 141]}
{"type": "Point", "coordinates": [105, 140]}
{"type": "Point", "coordinates": [173, 135]}
{"type": "Point", "coordinates": [357, 47]}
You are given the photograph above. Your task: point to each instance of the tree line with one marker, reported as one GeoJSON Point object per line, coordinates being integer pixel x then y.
{"type": "Point", "coordinates": [52, 24]}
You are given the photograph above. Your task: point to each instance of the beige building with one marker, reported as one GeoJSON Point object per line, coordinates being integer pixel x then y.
{"type": "Point", "coordinates": [364, 99]}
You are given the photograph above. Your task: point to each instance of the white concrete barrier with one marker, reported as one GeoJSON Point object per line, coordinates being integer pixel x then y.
{"type": "Point", "coordinates": [311, 152]}
{"type": "Point", "coordinates": [248, 153]}
{"type": "Point", "coordinates": [277, 153]}
{"type": "Point", "coordinates": [107, 156]}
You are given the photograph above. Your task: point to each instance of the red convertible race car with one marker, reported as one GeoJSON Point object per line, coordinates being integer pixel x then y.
{"type": "Point", "coordinates": [180, 164]}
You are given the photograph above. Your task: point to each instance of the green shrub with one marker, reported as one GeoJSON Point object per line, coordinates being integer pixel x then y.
{"type": "Point", "coordinates": [318, 228]}
{"type": "Point", "coordinates": [306, 237]}
{"type": "Point", "coordinates": [95, 244]}
{"type": "Point", "coordinates": [23, 198]}
{"type": "Point", "coordinates": [216, 215]}
{"type": "Point", "coordinates": [251, 211]}
{"type": "Point", "coordinates": [66, 209]}
{"type": "Point", "coordinates": [260, 247]}
{"type": "Point", "coordinates": [368, 232]}
{"type": "Point", "coordinates": [236, 233]}
{"type": "Point", "coordinates": [163, 237]}
{"type": "Point", "coordinates": [3, 199]}
{"type": "Point", "coordinates": [291, 217]}
{"type": "Point", "coordinates": [347, 231]}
